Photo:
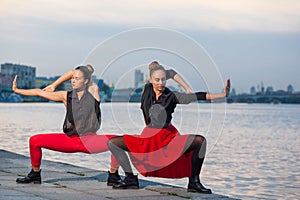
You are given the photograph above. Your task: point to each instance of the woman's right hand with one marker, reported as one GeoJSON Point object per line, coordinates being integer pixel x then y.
{"type": "Point", "coordinates": [14, 85]}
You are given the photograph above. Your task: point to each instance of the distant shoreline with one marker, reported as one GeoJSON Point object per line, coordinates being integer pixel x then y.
{"type": "Point", "coordinates": [273, 98]}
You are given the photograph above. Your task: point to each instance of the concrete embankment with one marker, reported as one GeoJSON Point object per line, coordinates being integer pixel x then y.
{"type": "Point", "coordinates": [69, 182]}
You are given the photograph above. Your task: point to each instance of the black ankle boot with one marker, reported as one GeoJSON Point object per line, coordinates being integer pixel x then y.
{"type": "Point", "coordinates": [195, 186]}
{"type": "Point", "coordinates": [113, 178]}
{"type": "Point", "coordinates": [32, 177]}
{"type": "Point", "coordinates": [130, 182]}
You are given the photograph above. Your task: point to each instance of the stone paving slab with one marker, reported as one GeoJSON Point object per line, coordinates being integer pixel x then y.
{"type": "Point", "coordinates": [69, 182]}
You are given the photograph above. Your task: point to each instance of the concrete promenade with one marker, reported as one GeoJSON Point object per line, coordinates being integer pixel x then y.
{"type": "Point", "coordinates": [68, 182]}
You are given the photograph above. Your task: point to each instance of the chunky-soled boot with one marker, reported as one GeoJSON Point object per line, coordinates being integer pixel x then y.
{"type": "Point", "coordinates": [130, 182]}
{"type": "Point", "coordinates": [32, 177]}
{"type": "Point", "coordinates": [113, 178]}
{"type": "Point", "coordinates": [196, 186]}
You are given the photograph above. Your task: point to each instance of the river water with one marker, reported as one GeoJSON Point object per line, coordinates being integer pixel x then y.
{"type": "Point", "coordinates": [253, 149]}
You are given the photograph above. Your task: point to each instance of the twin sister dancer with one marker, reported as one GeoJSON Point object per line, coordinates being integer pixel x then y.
{"type": "Point", "coordinates": [160, 151]}
{"type": "Point", "coordinates": [83, 119]}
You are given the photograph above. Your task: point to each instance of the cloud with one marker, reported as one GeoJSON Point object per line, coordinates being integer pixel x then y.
{"type": "Point", "coordinates": [229, 15]}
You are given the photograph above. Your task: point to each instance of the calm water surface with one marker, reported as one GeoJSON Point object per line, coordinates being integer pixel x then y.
{"type": "Point", "coordinates": [253, 150]}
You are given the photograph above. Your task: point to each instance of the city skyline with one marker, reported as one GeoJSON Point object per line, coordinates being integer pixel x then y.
{"type": "Point", "coordinates": [249, 41]}
{"type": "Point", "coordinates": [138, 78]}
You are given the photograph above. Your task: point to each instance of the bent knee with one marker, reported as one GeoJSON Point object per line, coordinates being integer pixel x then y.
{"type": "Point", "coordinates": [111, 143]}
{"type": "Point", "coordinates": [34, 140]}
{"type": "Point", "coordinates": [201, 138]}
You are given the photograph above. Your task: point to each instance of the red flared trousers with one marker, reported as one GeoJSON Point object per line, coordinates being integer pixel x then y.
{"type": "Point", "coordinates": [89, 143]}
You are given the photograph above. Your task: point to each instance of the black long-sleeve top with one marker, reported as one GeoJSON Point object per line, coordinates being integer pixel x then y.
{"type": "Point", "coordinates": [158, 113]}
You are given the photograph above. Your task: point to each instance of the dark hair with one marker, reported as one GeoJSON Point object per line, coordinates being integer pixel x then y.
{"type": "Point", "coordinates": [90, 68]}
{"type": "Point", "coordinates": [152, 64]}
{"type": "Point", "coordinates": [86, 72]}
{"type": "Point", "coordinates": [156, 68]}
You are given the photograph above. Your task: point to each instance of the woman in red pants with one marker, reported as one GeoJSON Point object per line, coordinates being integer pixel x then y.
{"type": "Point", "coordinates": [83, 119]}
{"type": "Point", "coordinates": [160, 151]}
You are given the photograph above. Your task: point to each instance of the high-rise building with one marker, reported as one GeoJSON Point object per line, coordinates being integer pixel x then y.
{"type": "Point", "coordinates": [252, 90]}
{"type": "Point", "coordinates": [138, 78]}
{"type": "Point", "coordinates": [26, 74]}
{"type": "Point", "coordinates": [6, 82]}
{"type": "Point", "coordinates": [290, 89]}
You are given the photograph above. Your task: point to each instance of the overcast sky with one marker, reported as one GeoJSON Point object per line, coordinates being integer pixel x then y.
{"type": "Point", "coordinates": [249, 41]}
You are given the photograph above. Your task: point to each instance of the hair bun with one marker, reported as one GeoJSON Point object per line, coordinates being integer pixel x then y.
{"type": "Point", "coordinates": [90, 68]}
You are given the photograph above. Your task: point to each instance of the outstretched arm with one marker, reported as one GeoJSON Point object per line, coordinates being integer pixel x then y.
{"type": "Point", "coordinates": [59, 96]}
{"type": "Point", "coordinates": [221, 95]}
{"type": "Point", "coordinates": [60, 80]}
{"type": "Point", "coordinates": [188, 98]}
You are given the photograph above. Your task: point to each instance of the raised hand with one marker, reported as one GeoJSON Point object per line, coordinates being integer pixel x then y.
{"type": "Point", "coordinates": [227, 88]}
{"type": "Point", "coordinates": [14, 85]}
